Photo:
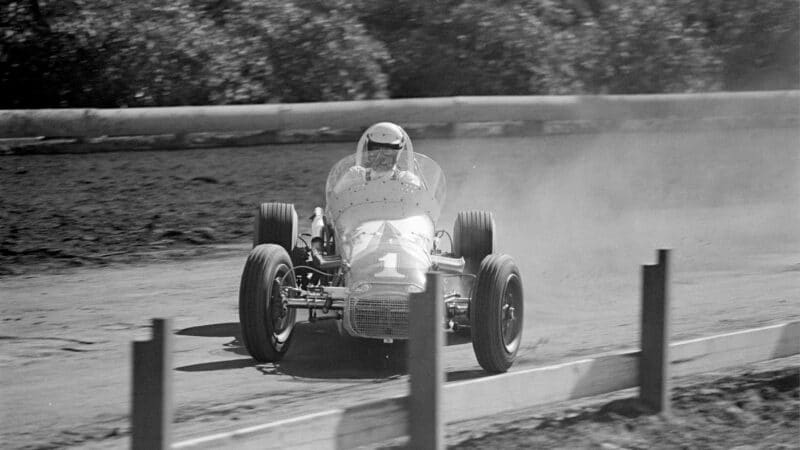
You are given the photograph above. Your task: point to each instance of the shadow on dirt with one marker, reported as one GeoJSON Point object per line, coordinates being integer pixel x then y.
{"type": "Point", "coordinates": [318, 351]}
{"type": "Point", "coordinates": [218, 365]}
{"type": "Point", "coordinates": [227, 329]}
{"type": "Point", "coordinates": [214, 330]}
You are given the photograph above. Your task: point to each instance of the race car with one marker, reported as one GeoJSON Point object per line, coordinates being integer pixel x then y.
{"type": "Point", "coordinates": [369, 249]}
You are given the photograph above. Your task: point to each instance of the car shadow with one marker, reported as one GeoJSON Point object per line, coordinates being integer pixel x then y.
{"type": "Point", "coordinates": [452, 338]}
{"type": "Point", "coordinates": [240, 363]}
{"type": "Point", "coordinates": [225, 329]}
{"type": "Point", "coordinates": [213, 330]}
{"type": "Point", "coordinates": [319, 351]}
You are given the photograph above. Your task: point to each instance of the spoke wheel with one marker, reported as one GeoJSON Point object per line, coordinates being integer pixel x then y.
{"type": "Point", "coordinates": [496, 313]}
{"type": "Point", "coordinates": [511, 322]}
{"type": "Point", "coordinates": [266, 322]}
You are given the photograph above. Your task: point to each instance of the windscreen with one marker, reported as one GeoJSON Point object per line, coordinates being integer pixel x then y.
{"type": "Point", "coordinates": [347, 187]}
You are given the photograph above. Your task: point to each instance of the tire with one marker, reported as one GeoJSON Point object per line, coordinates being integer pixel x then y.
{"type": "Point", "coordinates": [276, 223]}
{"type": "Point", "coordinates": [266, 326]}
{"type": "Point", "coordinates": [473, 237]}
{"type": "Point", "coordinates": [496, 328]}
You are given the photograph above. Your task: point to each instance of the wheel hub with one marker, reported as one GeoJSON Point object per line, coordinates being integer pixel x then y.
{"type": "Point", "coordinates": [509, 312]}
{"type": "Point", "coordinates": [282, 309]}
{"type": "Point", "coordinates": [510, 323]}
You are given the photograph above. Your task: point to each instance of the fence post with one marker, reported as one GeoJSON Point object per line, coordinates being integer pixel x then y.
{"type": "Point", "coordinates": [151, 414]}
{"type": "Point", "coordinates": [654, 360]}
{"type": "Point", "coordinates": [425, 367]}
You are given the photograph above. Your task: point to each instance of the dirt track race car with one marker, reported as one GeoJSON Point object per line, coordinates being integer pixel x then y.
{"type": "Point", "coordinates": [368, 250]}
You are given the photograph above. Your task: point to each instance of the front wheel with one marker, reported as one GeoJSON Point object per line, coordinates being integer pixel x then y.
{"type": "Point", "coordinates": [496, 313]}
{"type": "Point", "coordinates": [266, 323]}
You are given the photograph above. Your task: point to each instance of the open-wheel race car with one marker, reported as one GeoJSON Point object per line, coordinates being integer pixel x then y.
{"type": "Point", "coordinates": [369, 249]}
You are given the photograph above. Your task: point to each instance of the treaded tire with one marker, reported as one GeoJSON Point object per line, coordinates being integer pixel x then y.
{"type": "Point", "coordinates": [473, 237]}
{"type": "Point", "coordinates": [265, 334]}
{"type": "Point", "coordinates": [496, 332]}
{"type": "Point", "coordinates": [276, 223]}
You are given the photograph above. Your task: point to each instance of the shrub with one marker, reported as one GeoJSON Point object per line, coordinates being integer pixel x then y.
{"type": "Point", "coordinates": [146, 53]}
{"type": "Point", "coordinates": [43, 64]}
{"type": "Point", "coordinates": [114, 53]}
{"type": "Point", "coordinates": [757, 41]}
{"type": "Point", "coordinates": [645, 46]}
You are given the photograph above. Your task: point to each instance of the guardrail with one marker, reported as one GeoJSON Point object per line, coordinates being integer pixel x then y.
{"type": "Point", "coordinates": [360, 114]}
{"type": "Point", "coordinates": [387, 419]}
{"type": "Point", "coordinates": [433, 403]}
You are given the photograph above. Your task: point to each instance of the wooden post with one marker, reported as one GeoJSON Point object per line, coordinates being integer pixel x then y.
{"type": "Point", "coordinates": [654, 361]}
{"type": "Point", "coordinates": [151, 415]}
{"type": "Point", "coordinates": [425, 367]}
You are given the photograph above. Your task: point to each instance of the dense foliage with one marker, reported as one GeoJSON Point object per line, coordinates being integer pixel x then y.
{"type": "Point", "coordinates": [111, 53]}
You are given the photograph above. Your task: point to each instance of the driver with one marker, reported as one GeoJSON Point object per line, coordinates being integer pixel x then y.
{"type": "Point", "coordinates": [384, 152]}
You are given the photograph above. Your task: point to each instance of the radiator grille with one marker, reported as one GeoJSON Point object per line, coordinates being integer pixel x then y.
{"type": "Point", "coordinates": [378, 317]}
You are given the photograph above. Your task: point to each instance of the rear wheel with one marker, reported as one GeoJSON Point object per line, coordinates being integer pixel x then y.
{"type": "Point", "coordinates": [276, 223]}
{"type": "Point", "coordinates": [473, 237]}
{"type": "Point", "coordinates": [266, 323]}
{"type": "Point", "coordinates": [496, 313]}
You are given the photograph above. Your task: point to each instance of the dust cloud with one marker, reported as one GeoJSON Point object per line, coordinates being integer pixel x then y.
{"type": "Point", "coordinates": [581, 213]}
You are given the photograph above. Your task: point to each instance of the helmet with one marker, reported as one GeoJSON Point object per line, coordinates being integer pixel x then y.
{"type": "Point", "coordinates": [385, 135]}
{"type": "Point", "coordinates": [381, 145]}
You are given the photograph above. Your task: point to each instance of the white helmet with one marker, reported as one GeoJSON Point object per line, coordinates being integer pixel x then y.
{"type": "Point", "coordinates": [381, 144]}
{"type": "Point", "coordinates": [385, 135]}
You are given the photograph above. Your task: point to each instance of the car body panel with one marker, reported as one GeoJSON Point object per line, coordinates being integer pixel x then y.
{"type": "Point", "coordinates": [384, 231]}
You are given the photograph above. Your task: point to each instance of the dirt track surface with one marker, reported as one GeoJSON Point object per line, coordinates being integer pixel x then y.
{"type": "Point", "coordinates": [757, 406]}
{"type": "Point", "coordinates": [578, 213]}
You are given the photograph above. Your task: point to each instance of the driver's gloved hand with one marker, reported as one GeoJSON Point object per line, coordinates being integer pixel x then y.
{"type": "Point", "coordinates": [358, 171]}
{"type": "Point", "coordinates": [409, 178]}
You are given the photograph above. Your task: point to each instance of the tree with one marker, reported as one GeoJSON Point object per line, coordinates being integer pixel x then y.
{"type": "Point", "coordinates": [758, 42]}
{"type": "Point", "coordinates": [647, 47]}
{"type": "Point", "coordinates": [41, 64]}
{"type": "Point", "coordinates": [324, 56]}
{"type": "Point", "coordinates": [462, 48]}
{"type": "Point", "coordinates": [115, 53]}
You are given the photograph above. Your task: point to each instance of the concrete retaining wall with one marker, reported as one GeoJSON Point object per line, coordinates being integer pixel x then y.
{"type": "Point", "coordinates": [359, 114]}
